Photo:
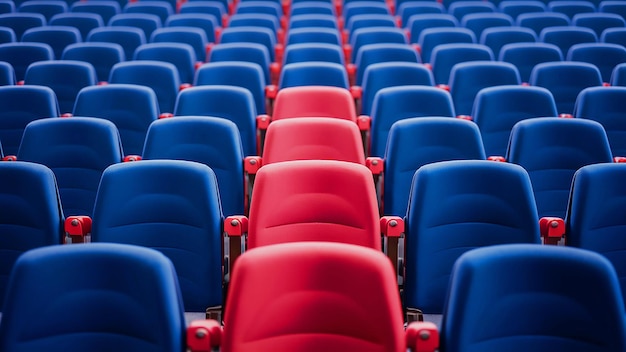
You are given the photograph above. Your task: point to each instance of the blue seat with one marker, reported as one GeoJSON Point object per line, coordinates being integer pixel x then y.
{"type": "Point", "coordinates": [478, 22]}
{"type": "Point", "coordinates": [7, 35]}
{"type": "Point", "coordinates": [133, 285]}
{"type": "Point", "coordinates": [7, 6]}
{"type": "Point", "coordinates": [204, 8]}
{"type": "Point", "coordinates": [308, 52]}
{"type": "Point", "coordinates": [551, 150]}
{"type": "Point", "coordinates": [497, 37]}
{"type": "Point", "coordinates": [566, 37]}
{"type": "Point", "coordinates": [525, 56]}
{"type": "Point", "coordinates": [314, 73]}
{"type": "Point", "coordinates": [235, 73]}
{"type": "Point", "coordinates": [102, 56]}
{"type": "Point", "coordinates": [468, 78]}
{"type": "Point", "coordinates": [181, 55]}
{"type": "Point", "coordinates": [571, 8]}
{"type": "Point", "coordinates": [406, 9]}
{"type": "Point", "coordinates": [515, 8]}
{"type": "Point", "coordinates": [47, 8]}
{"type": "Point", "coordinates": [313, 20]}
{"type": "Point", "coordinates": [498, 109]}
{"type": "Point", "coordinates": [598, 22]}
{"type": "Point", "coordinates": [565, 80]}
{"type": "Point", "coordinates": [132, 108]}
{"type": "Point", "coordinates": [31, 215]}
{"type": "Point", "coordinates": [214, 142]}
{"type": "Point", "coordinates": [387, 52]}
{"type": "Point", "coordinates": [154, 7]}
{"type": "Point", "coordinates": [418, 23]}
{"type": "Point", "coordinates": [77, 150]}
{"type": "Point", "coordinates": [197, 20]}
{"type": "Point", "coordinates": [148, 23]}
{"type": "Point", "coordinates": [257, 20]}
{"type": "Point", "coordinates": [21, 55]}
{"type": "Point", "coordinates": [605, 105]}
{"type": "Point", "coordinates": [161, 77]}
{"type": "Point", "coordinates": [65, 77]}
{"type": "Point", "coordinates": [415, 142]}
{"type": "Point", "coordinates": [260, 7]}
{"type": "Point", "coordinates": [537, 21]}
{"type": "Point", "coordinates": [7, 74]}
{"type": "Point", "coordinates": [604, 56]}
{"type": "Point", "coordinates": [136, 204]}
{"type": "Point", "coordinates": [105, 8]}
{"type": "Point", "coordinates": [84, 22]}
{"type": "Point", "coordinates": [130, 38]}
{"type": "Point", "coordinates": [363, 7]}
{"type": "Point", "coordinates": [616, 35]}
{"type": "Point", "coordinates": [485, 285]}
{"type": "Point", "coordinates": [20, 22]}
{"type": "Point", "coordinates": [402, 102]}
{"type": "Point", "coordinates": [391, 74]}
{"type": "Point", "coordinates": [248, 52]}
{"type": "Point", "coordinates": [431, 37]}
{"type": "Point", "coordinates": [375, 35]}
{"type": "Point", "coordinates": [459, 9]}
{"type": "Point", "coordinates": [312, 7]}
{"type": "Point", "coordinates": [233, 103]}
{"type": "Point", "coordinates": [445, 56]}
{"type": "Point", "coordinates": [250, 34]}
{"type": "Point", "coordinates": [613, 6]}
{"type": "Point", "coordinates": [312, 35]}
{"type": "Point", "coordinates": [493, 205]}
{"type": "Point", "coordinates": [368, 21]}
{"type": "Point", "coordinates": [193, 36]}
{"type": "Point", "coordinates": [593, 219]}
{"type": "Point", "coordinates": [58, 37]}
{"type": "Point", "coordinates": [18, 107]}
{"type": "Point", "coordinates": [618, 77]}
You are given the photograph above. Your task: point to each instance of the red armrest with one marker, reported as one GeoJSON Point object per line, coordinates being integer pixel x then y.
{"type": "Point", "coordinates": [351, 69]}
{"type": "Point", "coordinates": [236, 225]}
{"type": "Point", "coordinates": [9, 158]}
{"type": "Point", "coordinates": [364, 122]}
{"type": "Point", "coordinates": [464, 117]}
{"type": "Point", "coordinates": [444, 87]}
{"type": "Point", "coordinates": [77, 229]}
{"type": "Point", "coordinates": [375, 164]}
{"type": "Point", "coordinates": [251, 164]}
{"type": "Point", "coordinates": [422, 337]}
{"type": "Point", "coordinates": [497, 158]}
{"type": "Point", "coordinates": [203, 335]}
{"type": "Point", "coordinates": [619, 159]}
{"type": "Point", "coordinates": [552, 229]}
{"type": "Point", "coordinates": [129, 158]}
{"type": "Point", "coordinates": [391, 226]}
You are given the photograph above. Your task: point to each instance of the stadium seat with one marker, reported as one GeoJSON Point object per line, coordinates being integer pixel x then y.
{"type": "Point", "coordinates": [130, 107]}
{"type": "Point", "coordinates": [613, 6]}
{"type": "Point", "coordinates": [233, 103]}
{"type": "Point", "coordinates": [497, 37]}
{"type": "Point", "coordinates": [306, 52]}
{"type": "Point", "coordinates": [251, 34]}
{"type": "Point", "coordinates": [468, 78]}
{"type": "Point", "coordinates": [102, 56]}
{"type": "Point", "coordinates": [305, 35]}
{"type": "Point", "coordinates": [7, 35]}
{"type": "Point", "coordinates": [419, 22]}
{"type": "Point", "coordinates": [401, 102]}
{"type": "Point", "coordinates": [377, 53]}
{"type": "Point", "coordinates": [7, 6]}
{"type": "Point", "coordinates": [104, 8]}
{"type": "Point", "coordinates": [77, 150]}
{"type": "Point", "coordinates": [456, 206]}
{"type": "Point", "coordinates": [248, 52]}
{"type": "Point", "coordinates": [314, 73]}
{"type": "Point", "coordinates": [445, 56]}
{"type": "Point", "coordinates": [19, 106]}
{"type": "Point", "coordinates": [367, 21]}
{"type": "Point", "coordinates": [537, 21]}
{"type": "Point", "coordinates": [551, 150]}
{"type": "Point", "coordinates": [21, 55]}
{"type": "Point", "coordinates": [148, 23]}
{"type": "Point", "coordinates": [618, 77]}
{"type": "Point", "coordinates": [485, 285]}
{"type": "Point", "coordinates": [130, 38]}
{"type": "Point", "coordinates": [7, 74]}
{"type": "Point", "coordinates": [431, 37]}
{"type": "Point", "coordinates": [373, 35]}
{"type": "Point", "coordinates": [565, 80]}
{"type": "Point", "coordinates": [65, 77]}
{"type": "Point", "coordinates": [415, 142]}
{"type": "Point", "coordinates": [616, 35]}
{"type": "Point", "coordinates": [598, 22]}
{"type": "Point", "coordinates": [211, 8]}
{"type": "Point", "coordinates": [605, 105]}
{"type": "Point", "coordinates": [84, 22]}
{"type": "Point", "coordinates": [459, 9]}
{"type": "Point", "coordinates": [58, 37]}
{"type": "Point", "coordinates": [181, 55]}
{"type": "Point", "coordinates": [516, 8]}
{"type": "Point", "coordinates": [258, 20]}
{"type": "Point", "coordinates": [160, 8]}
{"type": "Point", "coordinates": [21, 22]}
{"type": "Point", "coordinates": [195, 37]}
{"type": "Point", "coordinates": [604, 56]}
{"type": "Point", "coordinates": [311, 7]}
{"type": "Point", "coordinates": [138, 204]}
{"type": "Point", "coordinates": [47, 8]}
{"type": "Point", "coordinates": [31, 215]}
{"type": "Point", "coordinates": [478, 22]}
{"type": "Point", "coordinates": [406, 9]}
{"type": "Point", "coordinates": [214, 142]}
{"type": "Point", "coordinates": [525, 56]}
{"type": "Point", "coordinates": [136, 287]}
{"type": "Point", "coordinates": [198, 20]}
{"type": "Point", "coordinates": [566, 37]}
{"type": "Point", "coordinates": [313, 20]}
{"type": "Point", "coordinates": [498, 109]}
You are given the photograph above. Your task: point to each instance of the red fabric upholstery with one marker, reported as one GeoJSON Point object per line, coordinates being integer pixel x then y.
{"type": "Point", "coordinates": [314, 101]}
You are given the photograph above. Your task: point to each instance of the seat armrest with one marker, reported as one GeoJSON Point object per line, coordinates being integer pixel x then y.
{"type": "Point", "coordinates": [392, 228]}
{"type": "Point", "coordinates": [552, 229]}
{"type": "Point", "coordinates": [351, 69]}
{"type": "Point", "coordinates": [77, 229]}
{"type": "Point", "coordinates": [252, 164]}
{"type": "Point", "coordinates": [375, 164]}
{"type": "Point", "coordinates": [444, 87]}
{"type": "Point", "coordinates": [203, 335]}
{"type": "Point", "coordinates": [129, 158]}
{"type": "Point", "coordinates": [275, 70]}
{"type": "Point", "coordinates": [9, 158]}
{"type": "Point", "coordinates": [357, 95]}
{"type": "Point", "coordinates": [235, 228]}
{"type": "Point", "coordinates": [422, 337]}
{"type": "Point", "coordinates": [464, 117]}
{"type": "Point", "coordinates": [497, 158]}
{"type": "Point", "coordinates": [619, 159]}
